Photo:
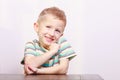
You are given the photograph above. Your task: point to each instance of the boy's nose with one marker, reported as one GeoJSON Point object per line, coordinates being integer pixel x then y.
{"type": "Point", "coordinates": [52, 32]}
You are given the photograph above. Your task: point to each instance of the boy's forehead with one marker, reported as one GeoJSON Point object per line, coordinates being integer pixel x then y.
{"type": "Point", "coordinates": [48, 18]}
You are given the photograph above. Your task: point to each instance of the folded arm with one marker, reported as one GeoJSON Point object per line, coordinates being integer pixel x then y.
{"type": "Point", "coordinates": [35, 61]}
{"type": "Point", "coordinates": [60, 68]}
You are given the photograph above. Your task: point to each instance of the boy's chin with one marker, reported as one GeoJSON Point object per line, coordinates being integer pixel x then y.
{"type": "Point", "coordinates": [48, 44]}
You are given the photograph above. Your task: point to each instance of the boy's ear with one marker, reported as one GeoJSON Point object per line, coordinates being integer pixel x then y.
{"type": "Point", "coordinates": [36, 27]}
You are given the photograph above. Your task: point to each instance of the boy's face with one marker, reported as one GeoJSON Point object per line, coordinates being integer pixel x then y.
{"type": "Point", "coordinates": [49, 30]}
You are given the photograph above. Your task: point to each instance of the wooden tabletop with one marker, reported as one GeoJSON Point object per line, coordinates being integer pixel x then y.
{"type": "Point", "coordinates": [50, 77]}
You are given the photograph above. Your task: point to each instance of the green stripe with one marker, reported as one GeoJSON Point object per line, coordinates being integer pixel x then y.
{"type": "Point", "coordinates": [33, 53]}
{"type": "Point", "coordinates": [29, 46]}
{"type": "Point", "coordinates": [61, 40]}
{"type": "Point", "coordinates": [66, 53]}
{"type": "Point", "coordinates": [65, 45]}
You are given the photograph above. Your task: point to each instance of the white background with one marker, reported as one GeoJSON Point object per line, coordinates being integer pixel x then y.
{"type": "Point", "coordinates": [93, 29]}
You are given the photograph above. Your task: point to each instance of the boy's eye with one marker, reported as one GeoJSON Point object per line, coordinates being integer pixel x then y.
{"type": "Point", "coordinates": [58, 31]}
{"type": "Point", "coordinates": [48, 27]}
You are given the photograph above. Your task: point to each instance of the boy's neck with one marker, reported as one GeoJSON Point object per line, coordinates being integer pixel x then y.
{"type": "Point", "coordinates": [44, 46]}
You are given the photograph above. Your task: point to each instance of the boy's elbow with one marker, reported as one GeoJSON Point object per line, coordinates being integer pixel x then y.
{"type": "Point", "coordinates": [63, 71]}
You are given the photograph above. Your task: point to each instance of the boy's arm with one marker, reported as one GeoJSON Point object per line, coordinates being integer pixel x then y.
{"type": "Point", "coordinates": [37, 61]}
{"type": "Point", "coordinates": [60, 68]}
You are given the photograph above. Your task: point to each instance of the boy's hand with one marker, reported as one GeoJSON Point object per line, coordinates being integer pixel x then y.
{"type": "Point", "coordinates": [30, 69]}
{"type": "Point", "coordinates": [54, 47]}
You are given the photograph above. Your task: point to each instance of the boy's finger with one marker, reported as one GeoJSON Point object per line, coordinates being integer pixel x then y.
{"type": "Point", "coordinates": [27, 70]}
{"type": "Point", "coordinates": [32, 69]}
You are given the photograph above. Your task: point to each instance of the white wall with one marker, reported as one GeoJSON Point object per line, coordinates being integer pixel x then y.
{"type": "Point", "coordinates": [93, 30]}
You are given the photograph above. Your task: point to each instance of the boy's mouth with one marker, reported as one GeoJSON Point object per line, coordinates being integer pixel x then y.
{"type": "Point", "coordinates": [50, 40]}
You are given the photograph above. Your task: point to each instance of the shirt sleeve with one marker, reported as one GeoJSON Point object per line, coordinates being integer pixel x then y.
{"type": "Point", "coordinates": [29, 50]}
{"type": "Point", "coordinates": [66, 51]}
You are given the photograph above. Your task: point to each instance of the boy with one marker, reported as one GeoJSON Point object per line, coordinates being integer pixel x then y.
{"type": "Point", "coordinates": [51, 53]}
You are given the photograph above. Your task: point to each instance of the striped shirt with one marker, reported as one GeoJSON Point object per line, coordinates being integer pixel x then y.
{"type": "Point", "coordinates": [65, 51]}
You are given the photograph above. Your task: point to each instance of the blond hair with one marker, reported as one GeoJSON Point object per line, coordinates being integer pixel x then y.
{"type": "Point", "coordinates": [58, 13]}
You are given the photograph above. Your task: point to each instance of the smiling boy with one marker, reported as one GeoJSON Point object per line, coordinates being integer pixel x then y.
{"type": "Point", "coordinates": [51, 53]}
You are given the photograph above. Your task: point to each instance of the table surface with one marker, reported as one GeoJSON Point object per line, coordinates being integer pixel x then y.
{"type": "Point", "coordinates": [50, 77]}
